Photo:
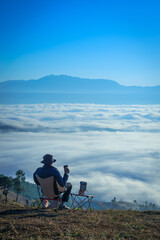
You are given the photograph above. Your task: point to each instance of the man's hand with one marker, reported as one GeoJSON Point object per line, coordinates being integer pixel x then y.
{"type": "Point", "coordinates": [66, 170]}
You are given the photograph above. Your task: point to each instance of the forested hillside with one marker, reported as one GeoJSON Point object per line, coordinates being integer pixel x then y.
{"type": "Point", "coordinates": [18, 186]}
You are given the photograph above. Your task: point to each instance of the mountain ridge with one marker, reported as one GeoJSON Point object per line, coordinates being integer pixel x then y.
{"type": "Point", "coordinates": [57, 83]}
{"type": "Point", "coordinates": [67, 89]}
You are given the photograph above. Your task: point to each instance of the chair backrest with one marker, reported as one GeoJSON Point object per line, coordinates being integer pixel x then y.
{"type": "Point", "coordinates": [48, 186]}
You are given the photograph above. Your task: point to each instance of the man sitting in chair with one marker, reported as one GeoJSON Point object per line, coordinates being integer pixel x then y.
{"type": "Point", "coordinates": [48, 170]}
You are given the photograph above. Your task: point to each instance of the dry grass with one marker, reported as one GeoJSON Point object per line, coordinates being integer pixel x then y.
{"type": "Point", "coordinates": [29, 223]}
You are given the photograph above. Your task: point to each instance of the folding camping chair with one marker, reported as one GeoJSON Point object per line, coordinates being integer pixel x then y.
{"type": "Point", "coordinates": [81, 201]}
{"type": "Point", "coordinates": [49, 192]}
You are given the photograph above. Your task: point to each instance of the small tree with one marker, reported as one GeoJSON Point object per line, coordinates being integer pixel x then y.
{"type": "Point", "coordinates": [20, 177]}
{"type": "Point", "coordinates": [27, 202]}
{"type": "Point", "coordinates": [5, 184]}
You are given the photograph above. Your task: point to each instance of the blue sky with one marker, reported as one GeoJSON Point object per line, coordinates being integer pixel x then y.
{"type": "Point", "coordinates": [117, 40]}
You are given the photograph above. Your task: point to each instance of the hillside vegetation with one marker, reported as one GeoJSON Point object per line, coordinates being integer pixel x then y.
{"type": "Point", "coordinates": [18, 222]}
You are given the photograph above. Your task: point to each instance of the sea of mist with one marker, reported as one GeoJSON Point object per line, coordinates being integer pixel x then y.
{"type": "Point", "coordinates": [114, 148]}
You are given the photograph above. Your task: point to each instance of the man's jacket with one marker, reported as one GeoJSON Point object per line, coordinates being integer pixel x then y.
{"type": "Point", "coordinates": [48, 171]}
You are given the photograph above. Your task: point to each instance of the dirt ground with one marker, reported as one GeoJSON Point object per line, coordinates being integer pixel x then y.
{"type": "Point", "coordinates": [29, 223]}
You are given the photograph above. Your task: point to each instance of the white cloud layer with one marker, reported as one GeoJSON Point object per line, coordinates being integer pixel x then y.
{"type": "Point", "coordinates": [114, 148]}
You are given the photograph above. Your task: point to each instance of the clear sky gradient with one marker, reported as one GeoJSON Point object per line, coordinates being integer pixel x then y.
{"type": "Point", "coordinates": [117, 40]}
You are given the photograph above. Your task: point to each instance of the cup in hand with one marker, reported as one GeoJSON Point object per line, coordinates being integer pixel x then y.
{"type": "Point", "coordinates": [66, 169]}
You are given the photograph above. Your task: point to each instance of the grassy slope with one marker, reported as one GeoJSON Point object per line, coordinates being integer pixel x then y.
{"type": "Point", "coordinates": [28, 223]}
{"type": "Point", "coordinates": [12, 196]}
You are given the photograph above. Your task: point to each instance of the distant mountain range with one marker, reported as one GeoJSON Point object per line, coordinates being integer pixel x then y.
{"type": "Point", "coordinates": [67, 89]}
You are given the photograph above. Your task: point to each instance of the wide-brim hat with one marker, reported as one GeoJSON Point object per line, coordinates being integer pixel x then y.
{"type": "Point", "coordinates": [48, 159]}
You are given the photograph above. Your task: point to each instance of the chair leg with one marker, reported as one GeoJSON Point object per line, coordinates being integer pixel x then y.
{"type": "Point", "coordinates": [58, 203]}
{"type": "Point", "coordinates": [39, 205]}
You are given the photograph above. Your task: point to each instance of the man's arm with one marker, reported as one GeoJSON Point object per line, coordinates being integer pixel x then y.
{"type": "Point", "coordinates": [35, 179]}
{"type": "Point", "coordinates": [65, 178]}
{"type": "Point", "coordinates": [61, 181]}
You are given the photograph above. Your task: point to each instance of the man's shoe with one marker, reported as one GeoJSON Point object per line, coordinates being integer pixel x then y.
{"type": "Point", "coordinates": [63, 207]}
